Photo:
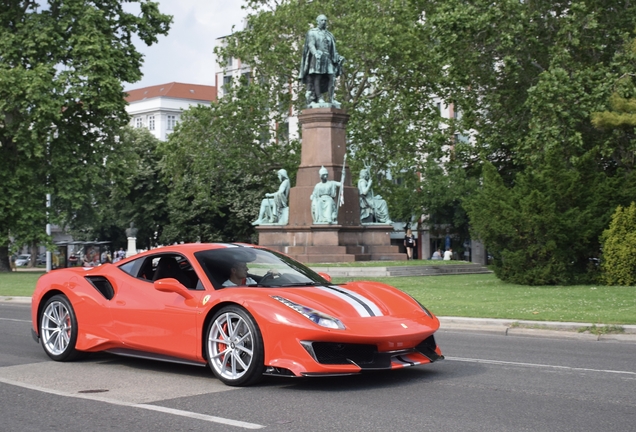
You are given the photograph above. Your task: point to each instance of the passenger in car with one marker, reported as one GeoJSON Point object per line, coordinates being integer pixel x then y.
{"type": "Point", "coordinates": [238, 275]}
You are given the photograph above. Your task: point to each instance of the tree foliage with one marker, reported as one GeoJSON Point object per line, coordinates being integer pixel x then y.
{"type": "Point", "coordinates": [219, 163]}
{"type": "Point", "coordinates": [61, 102]}
{"type": "Point", "coordinates": [527, 77]}
{"type": "Point", "coordinates": [619, 248]}
{"type": "Point", "coordinates": [132, 190]}
{"type": "Point", "coordinates": [623, 99]}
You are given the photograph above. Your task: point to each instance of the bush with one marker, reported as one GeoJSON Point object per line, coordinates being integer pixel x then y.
{"type": "Point", "coordinates": [618, 265]}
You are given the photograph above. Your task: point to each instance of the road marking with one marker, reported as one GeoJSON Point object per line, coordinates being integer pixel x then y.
{"type": "Point", "coordinates": [16, 320]}
{"type": "Point", "coordinates": [189, 414]}
{"type": "Point", "coordinates": [536, 365]}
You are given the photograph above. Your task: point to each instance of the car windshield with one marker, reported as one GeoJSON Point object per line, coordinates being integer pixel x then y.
{"type": "Point", "coordinates": [249, 266]}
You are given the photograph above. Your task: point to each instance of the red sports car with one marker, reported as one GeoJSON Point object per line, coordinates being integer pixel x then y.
{"type": "Point", "coordinates": [243, 310]}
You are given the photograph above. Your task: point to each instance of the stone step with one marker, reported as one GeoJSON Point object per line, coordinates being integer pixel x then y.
{"type": "Point", "coordinates": [388, 256]}
{"type": "Point", "coordinates": [322, 258]}
{"type": "Point", "coordinates": [385, 249]}
{"type": "Point", "coordinates": [438, 270]}
{"type": "Point", "coordinates": [424, 270]}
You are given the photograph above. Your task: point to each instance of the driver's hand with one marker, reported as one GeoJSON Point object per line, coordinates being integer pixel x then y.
{"type": "Point", "coordinates": [273, 272]}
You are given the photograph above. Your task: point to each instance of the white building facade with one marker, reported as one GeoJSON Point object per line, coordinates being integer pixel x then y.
{"type": "Point", "coordinates": [158, 108]}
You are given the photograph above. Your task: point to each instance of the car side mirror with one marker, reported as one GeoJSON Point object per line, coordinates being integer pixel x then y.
{"type": "Point", "coordinates": [325, 276]}
{"type": "Point", "coordinates": [174, 286]}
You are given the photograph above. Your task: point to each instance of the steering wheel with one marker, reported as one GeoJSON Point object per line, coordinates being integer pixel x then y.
{"type": "Point", "coordinates": [269, 276]}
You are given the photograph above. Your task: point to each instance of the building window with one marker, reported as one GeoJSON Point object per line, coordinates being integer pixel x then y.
{"type": "Point", "coordinates": [247, 76]}
{"type": "Point", "coordinates": [151, 122]}
{"type": "Point", "coordinates": [139, 122]}
{"type": "Point", "coordinates": [439, 108]}
{"type": "Point", "coordinates": [230, 61]}
{"type": "Point", "coordinates": [227, 82]}
{"type": "Point", "coordinates": [172, 122]}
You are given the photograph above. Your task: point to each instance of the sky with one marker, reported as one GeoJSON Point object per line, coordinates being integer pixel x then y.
{"type": "Point", "coordinates": [186, 54]}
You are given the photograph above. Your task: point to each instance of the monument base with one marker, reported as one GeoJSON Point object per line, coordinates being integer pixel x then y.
{"type": "Point", "coordinates": [132, 247]}
{"type": "Point", "coordinates": [331, 243]}
{"type": "Point", "coordinates": [324, 145]}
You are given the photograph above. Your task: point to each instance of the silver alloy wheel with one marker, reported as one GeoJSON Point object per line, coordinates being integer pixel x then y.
{"type": "Point", "coordinates": [230, 346]}
{"type": "Point", "coordinates": [56, 328]}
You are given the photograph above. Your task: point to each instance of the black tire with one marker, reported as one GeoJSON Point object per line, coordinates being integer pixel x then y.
{"type": "Point", "coordinates": [58, 329]}
{"type": "Point", "coordinates": [234, 347]}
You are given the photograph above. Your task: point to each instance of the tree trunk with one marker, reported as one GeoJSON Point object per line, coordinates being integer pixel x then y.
{"type": "Point", "coordinates": [5, 266]}
{"type": "Point", "coordinates": [34, 255]}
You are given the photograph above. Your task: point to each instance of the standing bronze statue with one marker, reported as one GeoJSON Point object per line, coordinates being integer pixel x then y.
{"type": "Point", "coordinates": [321, 65]}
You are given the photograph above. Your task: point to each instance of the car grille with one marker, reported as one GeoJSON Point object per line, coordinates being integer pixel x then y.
{"type": "Point", "coordinates": [343, 353]}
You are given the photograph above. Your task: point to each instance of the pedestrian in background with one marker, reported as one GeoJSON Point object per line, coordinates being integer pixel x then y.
{"type": "Point", "coordinates": [409, 244]}
{"type": "Point", "coordinates": [448, 255]}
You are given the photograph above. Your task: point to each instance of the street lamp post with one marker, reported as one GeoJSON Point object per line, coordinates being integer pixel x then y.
{"type": "Point", "coordinates": [48, 232]}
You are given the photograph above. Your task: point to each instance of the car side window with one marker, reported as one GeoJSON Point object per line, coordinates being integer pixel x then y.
{"type": "Point", "coordinates": [161, 266]}
{"type": "Point", "coordinates": [132, 267]}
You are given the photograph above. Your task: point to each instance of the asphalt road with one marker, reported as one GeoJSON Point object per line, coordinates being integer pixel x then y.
{"type": "Point", "coordinates": [487, 383]}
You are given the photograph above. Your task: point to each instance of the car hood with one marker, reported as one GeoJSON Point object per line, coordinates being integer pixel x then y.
{"type": "Point", "coordinates": [356, 299]}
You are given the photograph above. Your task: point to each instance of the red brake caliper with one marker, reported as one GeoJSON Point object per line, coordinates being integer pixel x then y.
{"type": "Point", "coordinates": [222, 347]}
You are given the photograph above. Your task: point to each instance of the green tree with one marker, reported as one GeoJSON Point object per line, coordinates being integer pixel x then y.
{"type": "Point", "coordinates": [132, 191]}
{"type": "Point", "coordinates": [219, 163]}
{"type": "Point", "coordinates": [527, 77]}
{"type": "Point", "coordinates": [61, 102]}
{"type": "Point", "coordinates": [618, 265]}
{"type": "Point", "coordinates": [620, 118]}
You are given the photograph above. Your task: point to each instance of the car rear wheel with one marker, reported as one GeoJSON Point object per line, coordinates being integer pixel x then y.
{"type": "Point", "coordinates": [58, 329]}
{"type": "Point", "coordinates": [234, 347]}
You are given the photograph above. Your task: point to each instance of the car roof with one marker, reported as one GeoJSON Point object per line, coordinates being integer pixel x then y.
{"type": "Point", "coordinates": [188, 248]}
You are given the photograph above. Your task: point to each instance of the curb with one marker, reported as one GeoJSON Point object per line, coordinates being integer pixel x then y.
{"type": "Point", "coordinates": [551, 329]}
{"type": "Point", "coordinates": [15, 299]}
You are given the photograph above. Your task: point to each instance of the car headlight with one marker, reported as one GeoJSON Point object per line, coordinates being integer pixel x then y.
{"type": "Point", "coordinates": [313, 315]}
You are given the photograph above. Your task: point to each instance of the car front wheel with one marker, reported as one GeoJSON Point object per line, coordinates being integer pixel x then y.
{"type": "Point", "coordinates": [58, 329]}
{"type": "Point", "coordinates": [234, 347]}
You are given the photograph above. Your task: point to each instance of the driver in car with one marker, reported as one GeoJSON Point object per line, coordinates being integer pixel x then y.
{"type": "Point", "coordinates": [238, 275]}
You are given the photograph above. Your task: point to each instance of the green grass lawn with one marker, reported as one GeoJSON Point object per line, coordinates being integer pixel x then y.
{"type": "Point", "coordinates": [20, 283]}
{"type": "Point", "coordinates": [477, 296]}
{"type": "Point", "coordinates": [485, 296]}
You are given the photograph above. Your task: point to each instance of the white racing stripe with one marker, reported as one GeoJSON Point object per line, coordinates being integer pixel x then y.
{"type": "Point", "coordinates": [364, 306]}
{"type": "Point", "coordinates": [189, 414]}
{"type": "Point", "coordinates": [536, 365]}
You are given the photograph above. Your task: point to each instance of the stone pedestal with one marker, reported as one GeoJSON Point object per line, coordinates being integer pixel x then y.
{"type": "Point", "coordinates": [424, 244]}
{"type": "Point", "coordinates": [132, 246]}
{"type": "Point", "coordinates": [478, 253]}
{"type": "Point", "coordinates": [324, 144]}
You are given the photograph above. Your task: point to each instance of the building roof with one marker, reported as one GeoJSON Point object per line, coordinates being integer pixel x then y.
{"type": "Point", "coordinates": [173, 90]}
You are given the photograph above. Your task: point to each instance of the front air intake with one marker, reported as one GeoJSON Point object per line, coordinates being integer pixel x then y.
{"type": "Point", "coordinates": [427, 347]}
{"type": "Point", "coordinates": [343, 353]}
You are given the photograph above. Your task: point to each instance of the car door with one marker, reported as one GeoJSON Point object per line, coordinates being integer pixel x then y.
{"type": "Point", "coordinates": [151, 320]}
